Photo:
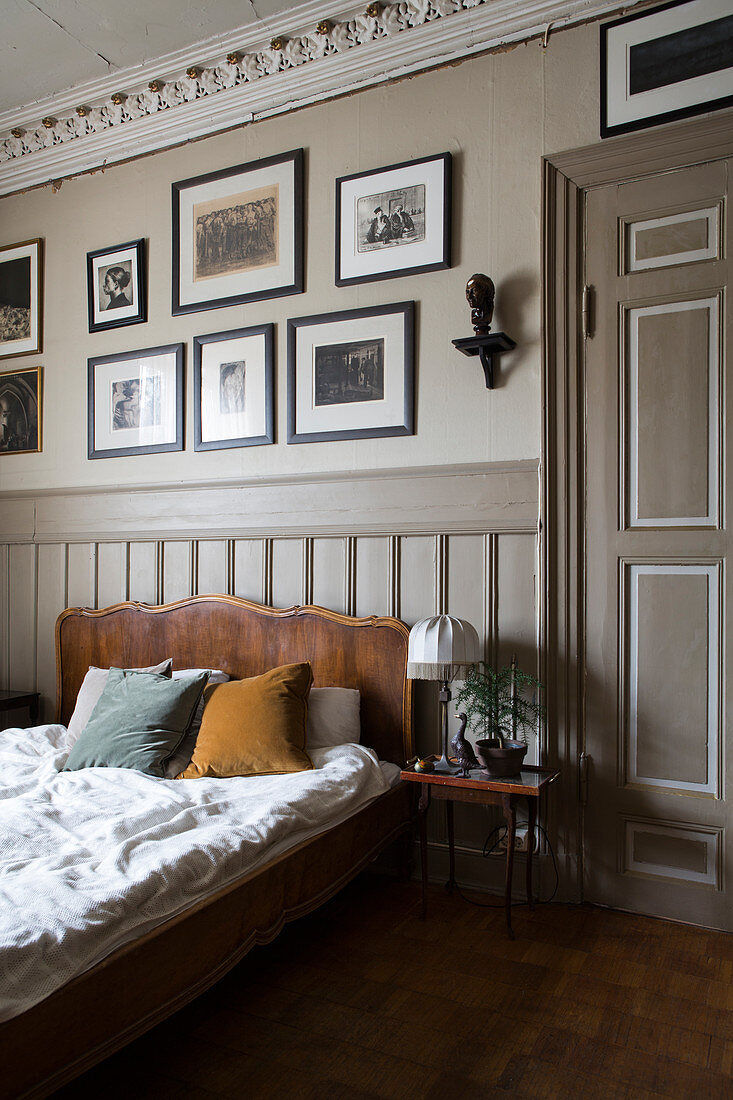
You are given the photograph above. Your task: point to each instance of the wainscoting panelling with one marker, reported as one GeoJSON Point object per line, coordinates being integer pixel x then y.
{"type": "Point", "coordinates": [462, 541]}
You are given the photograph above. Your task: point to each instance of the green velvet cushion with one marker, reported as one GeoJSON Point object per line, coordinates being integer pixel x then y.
{"type": "Point", "coordinates": [138, 722]}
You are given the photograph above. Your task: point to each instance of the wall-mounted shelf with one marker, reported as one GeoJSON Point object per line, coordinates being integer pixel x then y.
{"type": "Point", "coordinates": [486, 346]}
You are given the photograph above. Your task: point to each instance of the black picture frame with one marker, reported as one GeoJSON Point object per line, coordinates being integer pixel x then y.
{"type": "Point", "coordinates": [422, 244]}
{"type": "Point", "coordinates": [346, 335]}
{"type": "Point", "coordinates": [637, 50]}
{"type": "Point", "coordinates": [105, 381]}
{"type": "Point", "coordinates": [235, 341]}
{"type": "Point", "coordinates": [107, 269]}
{"type": "Point", "coordinates": [269, 192]}
{"type": "Point", "coordinates": [21, 411]}
{"type": "Point", "coordinates": [21, 294]}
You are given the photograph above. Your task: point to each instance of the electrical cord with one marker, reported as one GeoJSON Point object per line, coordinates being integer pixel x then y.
{"type": "Point", "coordinates": [502, 830]}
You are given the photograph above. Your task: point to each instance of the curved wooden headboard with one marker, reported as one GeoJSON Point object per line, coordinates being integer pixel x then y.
{"type": "Point", "coordinates": [246, 639]}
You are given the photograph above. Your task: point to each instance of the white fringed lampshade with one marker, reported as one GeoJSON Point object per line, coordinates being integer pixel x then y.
{"type": "Point", "coordinates": [442, 648]}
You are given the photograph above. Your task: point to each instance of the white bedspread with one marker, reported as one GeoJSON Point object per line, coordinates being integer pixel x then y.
{"type": "Point", "coordinates": [91, 859]}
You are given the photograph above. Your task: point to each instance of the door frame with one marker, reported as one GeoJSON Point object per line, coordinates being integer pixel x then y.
{"type": "Point", "coordinates": [567, 177]}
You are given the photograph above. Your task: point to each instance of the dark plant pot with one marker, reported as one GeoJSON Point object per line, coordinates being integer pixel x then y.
{"type": "Point", "coordinates": [501, 760]}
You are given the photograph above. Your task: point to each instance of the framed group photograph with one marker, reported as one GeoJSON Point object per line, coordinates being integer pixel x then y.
{"type": "Point", "coordinates": [666, 63]}
{"type": "Point", "coordinates": [135, 402]}
{"type": "Point", "coordinates": [394, 221]}
{"type": "Point", "coordinates": [21, 299]}
{"type": "Point", "coordinates": [238, 234]}
{"type": "Point", "coordinates": [351, 374]}
{"type": "Point", "coordinates": [116, 291]}
{"type": "Point", "coordinates": [233, 388]}
{"type": "Point", "coordinates": [20, 411]}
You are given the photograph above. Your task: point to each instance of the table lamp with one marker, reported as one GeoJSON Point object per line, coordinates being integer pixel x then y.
{"type": "Point", "coordinates": [442, 648]}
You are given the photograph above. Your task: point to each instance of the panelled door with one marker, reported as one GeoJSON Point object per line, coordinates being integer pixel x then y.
{"type": "Point", "coordinates": [658, 503]}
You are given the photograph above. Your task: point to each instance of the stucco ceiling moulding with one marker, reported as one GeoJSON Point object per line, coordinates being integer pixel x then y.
{"type": "Point", "coordinates": [251, 75]}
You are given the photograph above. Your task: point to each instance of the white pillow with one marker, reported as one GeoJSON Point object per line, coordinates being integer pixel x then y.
{"type": "Point", "coordinates": [182, 756]}
{"type": "Point", "coordinates": [333, 717]}
{"type": "Point", "coordinates": [92, 687]}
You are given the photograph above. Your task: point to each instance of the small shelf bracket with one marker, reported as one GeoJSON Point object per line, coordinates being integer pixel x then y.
{"type": "Point", "coordinates": [486, 346]}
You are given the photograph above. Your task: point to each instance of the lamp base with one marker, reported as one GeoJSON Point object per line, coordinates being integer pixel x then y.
{"type": "Point", "coordinates": [445, 767]}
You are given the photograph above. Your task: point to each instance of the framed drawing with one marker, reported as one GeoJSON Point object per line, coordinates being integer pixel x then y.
{"type": "Point", "coordinates": [238, 234]}
{"type": "Point", "coordinates": [233, 388]}
{"type": "Point", "coordinates": [116, 292]}
{"type": "Point", "coordinates": [21, 299]}
{"type": "Point", "coordinates": [351, 374]}
{"type": "Point", "coordinates": [394, 221]}
{"type": "Point", "coordinates": [135, 402]}
{"type": "Point", "coordinates": [20, 411]}
{"type": "Point", "coordinates": [673, 61]}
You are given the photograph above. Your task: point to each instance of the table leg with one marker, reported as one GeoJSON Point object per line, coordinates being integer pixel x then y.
{"type": "Point", "coordinates": [422, 814]}
{"type": "Point", "coordinates": [451, 847]}
{"type": "Point", "coordinates": [33, 711]}
{"type": "Point", "coordinates": [532, 815]}
{"type": "Point", "coordinates": [509, 807]}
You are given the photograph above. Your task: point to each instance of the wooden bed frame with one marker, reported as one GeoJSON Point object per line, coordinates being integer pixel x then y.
{"type": "Point", "coordinates": [140, 984]}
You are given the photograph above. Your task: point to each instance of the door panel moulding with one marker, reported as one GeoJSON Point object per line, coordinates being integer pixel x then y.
{"type": "Point", "coordinates": [568, 177]}
{"type": "Point", "coordinates": [240, 78]}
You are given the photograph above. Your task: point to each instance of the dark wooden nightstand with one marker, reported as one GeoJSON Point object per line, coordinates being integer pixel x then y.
{"type": "Point", "coordinates": [480, 789]}
{"type": "Point", "coordinates": [13, 700]}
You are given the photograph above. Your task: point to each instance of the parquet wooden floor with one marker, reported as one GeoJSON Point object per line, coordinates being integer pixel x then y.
{"type": "Point", "coordinates": [363, 999]}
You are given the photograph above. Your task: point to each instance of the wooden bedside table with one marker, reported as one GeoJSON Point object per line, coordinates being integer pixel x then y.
{"type": "Point", "coordinates": [480, 789]}
{"type": "Point", "coordinates": [13, 700]}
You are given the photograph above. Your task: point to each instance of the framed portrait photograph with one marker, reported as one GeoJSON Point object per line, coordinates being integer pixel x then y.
{"type": "Point", "coordinates": [673, 61]}
{"type": "Point", "coordinates": [233, 388]}
{"type": "Point", "coordinates": [351, 374]}
{"type": "Point", "coordinates": [20, 411]}
{"type": "Point", "coordinates": [394, 221]}
{"type": "Point", "coordinates": [135, 402]}
{"type": "Point", "coordinates": [21, 299]}
{"type": "Point", "coordinates": [238, 234]}
{"type": "Point", "coordinates": [116, 290]}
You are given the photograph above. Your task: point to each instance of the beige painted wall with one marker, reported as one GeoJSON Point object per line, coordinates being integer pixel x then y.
{"type": "Point", "coordinates": [461, 541]}
{"type": "Point", "coordinates": [496, 114]}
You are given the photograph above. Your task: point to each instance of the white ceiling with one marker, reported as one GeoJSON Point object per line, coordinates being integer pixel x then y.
{"type": "Point", "coordinates": [85, 83]}
{"type": "Point", "coordinates": [49, 46]}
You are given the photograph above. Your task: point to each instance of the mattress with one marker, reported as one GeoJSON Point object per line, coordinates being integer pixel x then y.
{"type": "Point", "coordinates": [92, 859]}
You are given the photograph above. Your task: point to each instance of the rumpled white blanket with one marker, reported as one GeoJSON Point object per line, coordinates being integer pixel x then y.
{"type": "Point", "coordinates": [91, 859]}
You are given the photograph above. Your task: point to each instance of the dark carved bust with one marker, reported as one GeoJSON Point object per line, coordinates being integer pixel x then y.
{"type": "Point", "coordinates": [480, 292]}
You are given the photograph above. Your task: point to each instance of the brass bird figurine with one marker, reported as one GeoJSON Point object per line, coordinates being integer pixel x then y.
{"type": "Point", "coordinates": [463, 750]}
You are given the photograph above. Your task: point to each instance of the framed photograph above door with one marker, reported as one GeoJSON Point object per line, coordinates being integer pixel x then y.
{"type": "Point", "coordinates": [394, 221]}
{"type": "Point", "coordinates": [665, 64]}
{"type": "Point", "coordinates": [233, 388]}
{"type": "Point", "coordinates": [21, 299]}
{"type": "Point", "coordinates": [351, 374]}
{"type": "Point", "coordinates": [238, 234]}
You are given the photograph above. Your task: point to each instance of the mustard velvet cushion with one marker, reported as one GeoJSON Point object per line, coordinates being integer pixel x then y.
{"type": "Point", "coordinates": [255, 726]}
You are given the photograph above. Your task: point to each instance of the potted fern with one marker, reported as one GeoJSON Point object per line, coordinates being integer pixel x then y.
{"type": "Point", "coordinates": [499, 710]}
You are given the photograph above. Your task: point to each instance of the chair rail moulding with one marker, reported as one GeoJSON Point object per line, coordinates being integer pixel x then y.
{"type": "Point", "coordinates": [171, 99]}
{"type": "Point", "coordinates": [499, 497]}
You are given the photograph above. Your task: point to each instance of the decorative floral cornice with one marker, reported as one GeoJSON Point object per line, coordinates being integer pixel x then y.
{"type": "Point", "coordinates": [480, 21]}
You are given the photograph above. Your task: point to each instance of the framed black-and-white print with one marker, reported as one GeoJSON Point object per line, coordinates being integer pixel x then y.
{"type": "Point", "coordinates": [135, 402]}
{"type": "Point", "coordinates": [238, 234]}
{"type": "Point", "coordinates": [665, 64]}
{"type": "Point", "coordinates": [394, 221]}
{"type": "Point", "coordinates": [20, 411]}
{"type": "Point", "coordinates": [233, 388]}
{"type": "Point", "coordinates": [116, 292]}
{"type": "Point", "coordinates": [351, 374]}
{"type": "Point", "coordinates": [21, 299]}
